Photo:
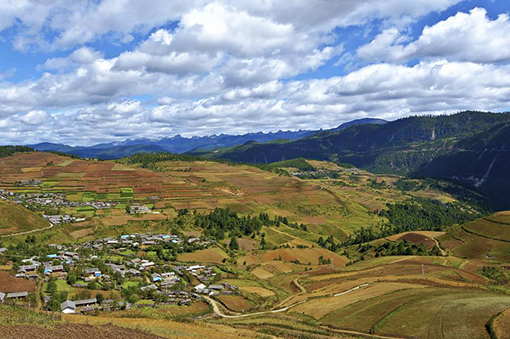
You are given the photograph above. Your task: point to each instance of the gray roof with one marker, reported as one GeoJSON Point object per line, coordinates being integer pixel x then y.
{"type": "Point", "coordinates": [17, 295]}
{"type": "Point", "coordinates": [68, 304]}
{"type": "Point", "coordinates": [2, 296]}
{"type": "Point", "coordinates": [85, 301]}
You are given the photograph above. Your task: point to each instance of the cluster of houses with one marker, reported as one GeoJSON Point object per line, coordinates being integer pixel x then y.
{"type": "Point", "coordinates": [81, 306]}
{"type": "Point", "coordinates": [52, 200]}
{"type": "Point", "coordinates": [157, 284]}
{"type": "Point", "coordinates": [325, 173]}
{"type": "Point", "coordinates": [130, 241]}
{"type": "Point", "coordinates": [30, 182]}
{"type": "Point", "coordinates": [62, 219]}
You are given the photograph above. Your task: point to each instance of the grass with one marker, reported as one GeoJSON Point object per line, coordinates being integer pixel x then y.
{"type": "Point", "coordinates": [127, 252]}
{"type": "Point", "coordinates": [16, 218]}
{"type": "Point", "coordinates": [88, 196]}
{"type": "Point", "coordinates": [211, 255]}
{"type": "Point", "coordinates": [12, 315]}
{"type": "Point", "coordinates": [167, 312]}
{"type": "Point", "coordinates": [127, 284]}
{"type": "Point", "coordinates": [63, 286]}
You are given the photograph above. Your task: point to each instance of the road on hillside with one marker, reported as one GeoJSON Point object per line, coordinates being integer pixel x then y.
{"type": "Point", "coordinates": [443, 252]}
{"type": "Point", "coordinates": [27, 232]}
{"type": "Point", "coordinates": [218, 312]}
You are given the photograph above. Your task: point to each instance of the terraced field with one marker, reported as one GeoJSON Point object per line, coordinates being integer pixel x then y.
{"type": "Point", "coordinates": [481, 239]}
{"type": "Point", "coordinates": [390, 297]}
{"type": "Point", "coordinates": [316, 293]}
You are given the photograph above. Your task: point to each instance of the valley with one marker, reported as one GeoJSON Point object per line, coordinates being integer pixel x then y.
{"type": "Point", "coordinates": [302, 248]}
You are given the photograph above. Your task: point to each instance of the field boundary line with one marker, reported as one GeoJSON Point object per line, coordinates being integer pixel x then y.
{"type": "Point", "coordinates": [483, 235]}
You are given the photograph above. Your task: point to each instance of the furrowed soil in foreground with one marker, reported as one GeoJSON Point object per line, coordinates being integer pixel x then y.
{"type": "Point", "coordinates": [73, 331]}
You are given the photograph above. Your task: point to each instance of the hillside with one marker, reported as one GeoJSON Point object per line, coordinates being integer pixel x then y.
{"type": "Point", "coordinates": [314, 249]}
{"type": "Point", "coordinates": [329, 199]}
{"type": "Point", "coordinates": [15, 218]}
{"type": "Point", "coordinates": [438, 147]}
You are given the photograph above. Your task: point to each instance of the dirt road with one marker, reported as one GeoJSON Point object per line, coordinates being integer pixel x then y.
{"type": "Point", "coordinates": [27, 232]}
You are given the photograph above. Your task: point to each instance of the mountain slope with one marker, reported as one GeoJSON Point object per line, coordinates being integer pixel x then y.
{"type": "Point", "coordinates": [482, 160]}
{"type": "Point", "coordinates": [461, 146]}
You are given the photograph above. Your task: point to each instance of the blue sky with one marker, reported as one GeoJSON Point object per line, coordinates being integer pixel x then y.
{"type": "Point", "coordinates": [92, 71]}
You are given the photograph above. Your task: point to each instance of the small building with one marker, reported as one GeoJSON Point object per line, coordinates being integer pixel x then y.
{"type": "Point", "coordinates": [87, 309]}
{"type": "Point", "coordinates": [150, 287]}
{"type": "Point", "coordinates": [156, 277]}
{"type": "Point", "coordinates": [68, 307]}
{"type": "Point", "coordinates": [185, 302]}
{"type": "Point", "coordinates": [134, 272]}
{"type": "Point", "coordinates": [85, 302]}
{"type": "Point", "coordinates": [200, 288]}
{"type": "Point", "coordinates": [16, 295]}
{"type": "Point", "coordinates": [2, 296]}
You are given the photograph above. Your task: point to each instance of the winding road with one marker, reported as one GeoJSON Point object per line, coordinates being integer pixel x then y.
{"type": "Point", "coordinates": [219, 313]}
{"type": "Point", "coordinates": [27, 232]}
{"type": "Point", "coordinates": [443, 252]}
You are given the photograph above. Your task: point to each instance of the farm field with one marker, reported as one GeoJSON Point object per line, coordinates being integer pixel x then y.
{"type": "Point", "coordinates": [10, 284]}
{"type": "Point", "coordinates": [480, 239]}
{"type": "Point", "coordinates": [326, 207]}
{"type": "Point", "coordinates": [282, 280]}
{"type": "Point", "coordinates": [210, 255]}
{"type": "Point", "coordinates": [73, 330]}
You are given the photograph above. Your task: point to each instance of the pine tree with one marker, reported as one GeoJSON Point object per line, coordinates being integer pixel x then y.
{"type": "Point", "coordinates": [234, 245]}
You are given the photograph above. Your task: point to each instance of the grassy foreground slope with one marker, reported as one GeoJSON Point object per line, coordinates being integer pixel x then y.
{"type": "Point", "coordinates": [15, 218]}
{"type": "Point", "coordinates": [16, 322]}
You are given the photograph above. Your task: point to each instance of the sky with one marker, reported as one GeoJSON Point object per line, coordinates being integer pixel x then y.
{"type": "Point", "coordinates": [89, 71]}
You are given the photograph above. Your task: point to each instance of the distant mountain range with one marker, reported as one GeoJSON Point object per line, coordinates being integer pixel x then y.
{"type": "Point", "coordinates": [179, 144]}
{"type": "Point", "coordinates": [472, 148]}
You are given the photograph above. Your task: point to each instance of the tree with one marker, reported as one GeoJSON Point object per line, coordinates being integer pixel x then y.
{"type": "Point", "coordinates": [92, 285]}
{"type": "Point", "coordinates": [99, 298]}
{"type": "Point", "coordinates": [71, 278]}
{"type": "Point", "coordinates": [263, 243]}
{"type": "Point", "coordinates": [52, 287]}
{"type": "Point", "coordinates": [234, 245]}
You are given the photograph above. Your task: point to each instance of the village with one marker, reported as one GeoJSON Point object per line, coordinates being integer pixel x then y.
{"type": "Point", "coordinates": [113, 267]}
{"type": "Point", "coordinates": [48, 203]}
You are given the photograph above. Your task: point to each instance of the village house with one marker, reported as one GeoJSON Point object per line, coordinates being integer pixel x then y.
{"type": "Point", "coordinates": [92, 273]}
{"type": "Point", "coordinates": [68, 307]}
{"type": "Point", "coordinates": [138, 209]}
{"type": "Point", "coordinates": [16, 295]}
